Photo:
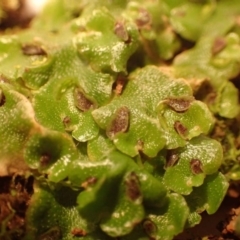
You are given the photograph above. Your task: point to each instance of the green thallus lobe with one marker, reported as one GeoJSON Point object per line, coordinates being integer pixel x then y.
{"type": "Point", "coordinates": [89, 109]}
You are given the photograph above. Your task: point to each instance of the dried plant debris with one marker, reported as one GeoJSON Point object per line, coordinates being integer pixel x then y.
{"type": "Point", "coordinates": [127, 132]}
{"type": "Point", "coordinates": [229, 227]}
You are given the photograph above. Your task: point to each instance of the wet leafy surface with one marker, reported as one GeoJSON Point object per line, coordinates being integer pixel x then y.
{"type": "Point", "coordinates": [122, 127]}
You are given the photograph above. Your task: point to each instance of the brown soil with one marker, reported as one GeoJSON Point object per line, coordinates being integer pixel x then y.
{"type": "Point", "coordinates": [15, 192]}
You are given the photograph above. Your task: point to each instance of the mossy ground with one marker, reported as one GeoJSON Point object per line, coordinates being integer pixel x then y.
{"type": "Point", "coordinates": [216, 83]}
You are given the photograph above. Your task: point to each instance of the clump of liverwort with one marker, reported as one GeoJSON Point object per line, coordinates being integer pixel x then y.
{"type": "Point", "coordinates": [118, 148]}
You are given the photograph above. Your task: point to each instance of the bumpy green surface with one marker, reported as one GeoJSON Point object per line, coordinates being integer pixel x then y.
{"type": "Point", "coordinates": [121, 146]}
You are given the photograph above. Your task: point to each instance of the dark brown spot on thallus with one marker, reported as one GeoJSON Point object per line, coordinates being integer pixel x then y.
{"type": "Point", "coordinates": [77, 232]}
{"type": "Point", "coordinates": [143, 18]}
{"type": "Point", "coordinates": [172, 158]}
{"type": "Point", "coordinates": [81, 101]}
{"type": "Point", "coordinates": [119, 85]}
{"type": "Point", "coordinates": [121, 31]}
{"type": "Point", "coordinates": [132, 186]}
{"type": "Point", "coordinates": [211, 98]}
{"type": "Point", "coordinates": [119, 123]}
{"type": "Point", "coordinates": [66, 120]}
{"type": "Point", "coordinates": [52, 234]}
{"type": "Point", "coordinates": [179, 104]}
{"type": "Point", "coordinates": [45, 160]}
{"type": "Point", "coordinates": [180, 129]}
{"type": "Point", "coordinates": [2, 98]}
{"type": "Point", "coordinates": [150, 228]}
{"type": "Point", "coordinates": [33, 49]}
{"type": "Point", "coordinates": [196, 166]}
{"type": "Point", "coordinates": [89, 182]}
{"type": "Point", "coordinates": [218, 45]}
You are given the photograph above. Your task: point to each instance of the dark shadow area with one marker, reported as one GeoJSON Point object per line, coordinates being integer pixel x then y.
{"type": "Point", "coordinates": [211, 226]}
